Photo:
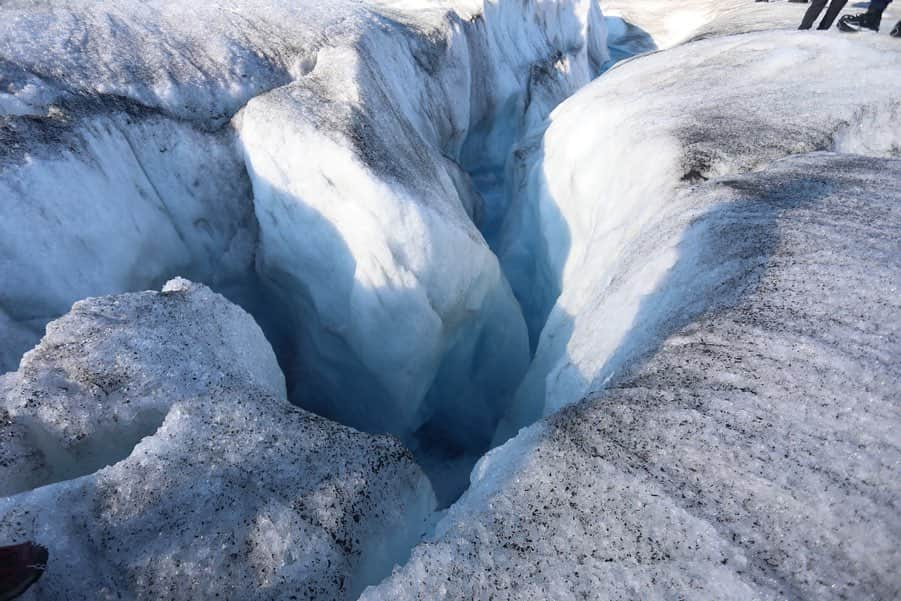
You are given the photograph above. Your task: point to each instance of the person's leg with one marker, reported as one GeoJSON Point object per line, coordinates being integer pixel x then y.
{"type": "Point", "coordinates": [877, 7]}
{"type": "Point", "coordinates": [813, 11]}
{"type": "Point", "coordinates": [835, 7]}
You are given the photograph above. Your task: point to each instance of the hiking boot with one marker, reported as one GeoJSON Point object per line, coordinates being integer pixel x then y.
{"type": "Point", "coordinates": [896, 32]}
{"type": "Point", "coordinates": [20, 566]}
{"type": "Point", "coordinates": [861, 22]}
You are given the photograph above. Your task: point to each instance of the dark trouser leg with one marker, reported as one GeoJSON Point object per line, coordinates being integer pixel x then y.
{"type": "Point", "coordinates": [813, 11]}
{"type": "Point", "coordinates": [835, 7]}
{"type": "Point", "coordinates": [874, 13]}
{"type": "Point", "coordinates": [877, 7]}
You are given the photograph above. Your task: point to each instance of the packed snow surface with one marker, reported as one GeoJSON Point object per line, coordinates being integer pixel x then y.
{"type": "Point", "coordinates": [230, 492]}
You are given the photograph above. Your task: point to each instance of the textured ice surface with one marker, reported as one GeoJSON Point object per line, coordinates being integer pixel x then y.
{"type": "Point", "coordinates": [752, 455]}
{"type": "Point", "coordinates": [107, 372]}
{"type": "Point", "coordinates": [309, 159]}
{"type": "Point", "coordinates": [231, 492]}
{"type": "Point", "coordinates": [608, 235]}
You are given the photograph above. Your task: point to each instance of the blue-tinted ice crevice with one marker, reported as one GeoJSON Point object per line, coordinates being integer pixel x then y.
{"type": "Point", "coordinates": [375, 222]}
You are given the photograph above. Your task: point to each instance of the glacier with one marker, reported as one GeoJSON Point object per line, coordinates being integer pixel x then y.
{"type": "Point", "coordinates": [713, 384]}
{"type": "Point", "coordinates": [652, 153]}
{"type": "Point", "coordinates": [666, 301]}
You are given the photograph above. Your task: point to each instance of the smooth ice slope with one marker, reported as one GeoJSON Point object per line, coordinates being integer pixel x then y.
{"type": "Point", "coordinates": [753, 455]}
{"type": "Point", "coordinates": [232, 492]}
{"type": "Point", "coordinates": [608, 203]}
{"type": "Point", "coordinates": [308, 159]}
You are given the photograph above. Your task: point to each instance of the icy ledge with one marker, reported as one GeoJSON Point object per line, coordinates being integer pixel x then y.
{"type": "Point", "coordinates": [233, 493]}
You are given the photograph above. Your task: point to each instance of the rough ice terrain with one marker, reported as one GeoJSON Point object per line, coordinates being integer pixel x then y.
{"type": "Point", "coordinates": [328, 165]}
{"type": "Point", "coordinates": [231, 492]}
{"type": "Point", "coordinates": [753, 455]}
{"type": "Point", "coordinates": [594, 249]}
{"type": "Point", "coordinates": [672, 300]}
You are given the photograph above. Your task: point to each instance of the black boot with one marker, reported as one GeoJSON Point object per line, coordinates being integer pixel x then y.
{"type": "Point", "coordinates": [861, 22]}
{"type": "Point", "coordinates": [20, 566]}
{"type": "Point", "coordinates": [896, 32]}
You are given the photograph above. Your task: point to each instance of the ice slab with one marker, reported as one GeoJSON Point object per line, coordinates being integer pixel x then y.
{"type": "Point", "coordinates": [229, 491]}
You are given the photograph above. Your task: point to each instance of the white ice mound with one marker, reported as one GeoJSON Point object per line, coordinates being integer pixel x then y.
{"type": "Point", "coordinates": [606, 206]}
{"type": "Point", "coordinates": [232, 492]}
{"type": "Point", "coordinates": [753, 455]}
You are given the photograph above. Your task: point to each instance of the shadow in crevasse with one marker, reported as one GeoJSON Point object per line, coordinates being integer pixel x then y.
{"type": "Point", "coordinates": [625, 40]}
{"type": "Point", "coordinates": [349, 349]}
{"type": "Point", "coordinates": [721, 257]}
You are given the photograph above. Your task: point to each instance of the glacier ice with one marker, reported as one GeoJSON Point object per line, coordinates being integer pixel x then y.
{"type": "Point", "coordinates": [310, 160]}
{"type": "Point", "coordinates": [229, 491]}
{"type": "Point", "coordinates": [380, 185]}
{"type": "Point", "coordinates": [716, 374]}
{"type": "Point", "coordinates": [368, 219]}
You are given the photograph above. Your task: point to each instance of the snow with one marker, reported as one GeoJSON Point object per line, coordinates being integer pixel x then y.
{"type": "Point", "coordinates": [102, 386]}
{"type": "Point", "coordinates": [692, 334]}
{"type": "Point", "coordinates": [121, 203]}
{"type": "Point", "coordinates": [716, 377]}
{"type": "Point", "coordinates": [357, 185]}
{"type": "Point", "coordinates": [750, 455]}
{"type": "Point", "coordinates": [215, 487]}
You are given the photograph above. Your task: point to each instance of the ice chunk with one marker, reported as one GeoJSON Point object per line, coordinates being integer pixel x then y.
{"type": "Point", "coordinates": [232, 492]}
{"type": "Point", "coordinates": [107, 372]}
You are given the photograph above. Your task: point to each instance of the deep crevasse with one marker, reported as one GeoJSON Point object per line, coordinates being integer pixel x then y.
{"type": "Point", "coordinates": [352, 233]}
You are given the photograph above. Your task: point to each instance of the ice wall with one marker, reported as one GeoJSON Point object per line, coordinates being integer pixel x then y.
{"type": "Point", "coordinates": [596, 222]}
{"type": "Point", "coordinates": [718, 399]}
{"type": "Point", "coordinates": [368, 218]}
